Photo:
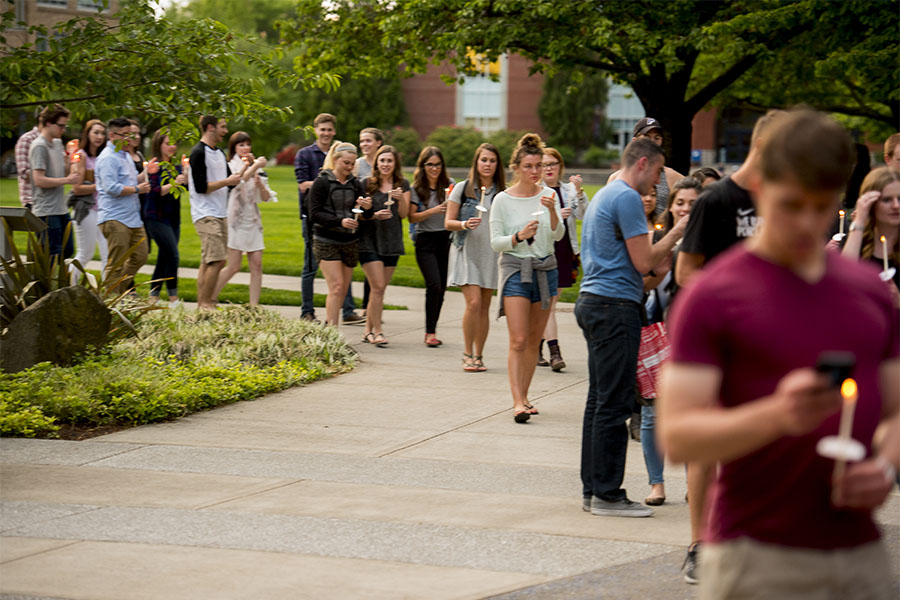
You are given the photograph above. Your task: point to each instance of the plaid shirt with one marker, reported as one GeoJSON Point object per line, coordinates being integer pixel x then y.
{"type": "Point", "coordinates": [23, 167]}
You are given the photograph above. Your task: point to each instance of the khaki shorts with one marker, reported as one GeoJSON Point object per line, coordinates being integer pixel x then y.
{"type": "Point", "coordinates": [744, 569]}
{"type": "Point", "coordinates": [213, 234]}
{"type": "Point", "coordinates": [346, 253]}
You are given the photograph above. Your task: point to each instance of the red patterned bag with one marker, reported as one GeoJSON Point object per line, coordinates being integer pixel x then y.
{"type": "Point", "coordinates": [653, 353]}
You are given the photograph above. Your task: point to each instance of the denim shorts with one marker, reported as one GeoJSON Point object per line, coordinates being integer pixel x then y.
{"type": "Point", "coordinates": [367, 257]}
{"type": "Point", "coordinates": [515, 287]}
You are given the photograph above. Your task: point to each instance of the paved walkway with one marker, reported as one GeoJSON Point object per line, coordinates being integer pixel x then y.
{"type": "Point", "coordinates": [406, 478]}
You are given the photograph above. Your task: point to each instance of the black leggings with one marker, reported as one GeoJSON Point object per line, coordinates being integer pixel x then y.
{"type": "Point", "coordinates": [432, 255]}
{"type": "Point", "coordinates": [166, 236]}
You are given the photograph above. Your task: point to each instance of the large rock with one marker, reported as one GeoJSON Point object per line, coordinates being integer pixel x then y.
{"type": "Point", "coordinates": [55, 328]}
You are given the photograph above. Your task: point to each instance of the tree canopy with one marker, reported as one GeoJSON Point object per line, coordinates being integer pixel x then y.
{"type": "Point", "coordinates": [676, 56]}
{"type": "Point", "coordinates": [160, 69]}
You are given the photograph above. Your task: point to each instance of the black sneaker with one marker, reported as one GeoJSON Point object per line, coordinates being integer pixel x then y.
{"type": "Point", "coordinates": [689, 568]}
{"type": "Point", "coordinates": [309, 317]}
{"type": "Point", "coordinates": [353, 319]}
{"type": "Point", "coordinates": [621, 508]}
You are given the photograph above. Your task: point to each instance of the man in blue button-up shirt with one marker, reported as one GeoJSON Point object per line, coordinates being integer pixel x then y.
{"type": "Point", "coordinates": [118, 206]}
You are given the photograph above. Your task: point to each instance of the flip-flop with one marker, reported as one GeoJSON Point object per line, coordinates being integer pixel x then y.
{"type": "Point", "coordinates": [379, 340]}
{"type": "Point", "coordinates": [365, 339]}
{"type": "Point", "coordinates": [521, 416]}
{"type": "Point", "coordinates": [531, 409]}
{"type": "Point", "coordinates": [433, 342]}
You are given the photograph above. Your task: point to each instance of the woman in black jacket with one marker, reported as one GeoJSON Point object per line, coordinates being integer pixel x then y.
{"type": "Point", "coordinates": [335, 197]}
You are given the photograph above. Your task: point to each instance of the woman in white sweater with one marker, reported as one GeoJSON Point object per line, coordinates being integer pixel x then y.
{"type": "Point", "coordinates": [525, 222]}
{"type": "Point", "coordinates": [245, 230]}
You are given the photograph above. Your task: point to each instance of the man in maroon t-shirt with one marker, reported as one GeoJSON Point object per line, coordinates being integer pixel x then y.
{"type": "Point", "coordinates": [741, 390]}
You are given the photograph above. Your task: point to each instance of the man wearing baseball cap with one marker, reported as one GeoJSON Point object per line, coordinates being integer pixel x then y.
{"type": "Point", "coordinates": [650, 128]}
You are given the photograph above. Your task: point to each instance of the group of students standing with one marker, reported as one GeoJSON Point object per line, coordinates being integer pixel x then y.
{"type": "Point", "coordinates": [121, 202]}
{"type": "Point", "coordinates": [476, 234]}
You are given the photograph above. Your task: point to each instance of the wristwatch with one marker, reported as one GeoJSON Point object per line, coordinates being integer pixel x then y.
{"type": "Point", "coordinates": [516, 237]}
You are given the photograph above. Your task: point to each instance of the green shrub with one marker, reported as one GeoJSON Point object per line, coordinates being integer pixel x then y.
{"type": "Point", "coordinates": [406, 141]}
{"type": "Point", "coordinates": [599, 158]}
{"type": "Point", "coordinates": [179, 364]}
{"type": "Point", "coordinates": [457, 144]}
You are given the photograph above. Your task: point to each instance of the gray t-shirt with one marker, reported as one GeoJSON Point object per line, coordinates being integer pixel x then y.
{"type": "Point", "coordinates": [52, 160]}
{"type": "Point", "coordinates": [434, 222]}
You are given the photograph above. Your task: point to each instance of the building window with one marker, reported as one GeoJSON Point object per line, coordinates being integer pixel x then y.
{"type": "Point", "coordinates": [19, 16]}
{"type": "Point", "coordinates": [481, 101]}
{"type": "Point", "coordinates": [93, 5]}
{"type": "Point", "coordinates": [53, 3]}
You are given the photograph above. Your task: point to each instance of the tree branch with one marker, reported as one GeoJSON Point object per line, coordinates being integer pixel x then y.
{"type": "Point", "coordinates": [696, 102]}
{"type": "Point", "coordinates": [75, 99]}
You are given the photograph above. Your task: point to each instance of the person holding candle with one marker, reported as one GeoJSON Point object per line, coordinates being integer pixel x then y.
{"type": "Point", "coordinates": [473, 263]}
{"type": "Point", "coordinates": [162, 214]}
{"type": "Point", "coordinates": [333, 197]}
{"type": "Point", "coordinates": [428, 205]}
{"type": "Point", "coordinates": [245, 230]}
{"type": "Point", "coordinates": [307, 164]}
{"type": "Point", "coordinates": [381, 237]}
{"type": "Point", "coordinates": [573, 202]}
{"type": "Point", "coordinates": [525, 222]}
{"type": "Point", "coordinates": [209, 181]}
{"type": "Point", "coordinates": [877, 216]}
{"type": "Point", "coordinates": [741, 389]}
{"type": "Point", "coordinates": [616, 251]}
{"type": "Point", "coordinates": [119, 212]}
{"type": "Point", "coordinates": [722, 216]}
{"type": "Point", "coordinates": [48, 166]}
{"type": "Point", "coordinates": [87, 234]}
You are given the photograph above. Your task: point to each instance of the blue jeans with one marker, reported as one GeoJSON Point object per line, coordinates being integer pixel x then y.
{"type": "Point", "coordinates": [166, 236]}
{"type": "Point", "coordinates": [652, 458]}
{"type": "Point", "coordinates": [612, 329]}
{"type": "Point", "coordinates": [56, 229]}
{"type": "Point", "coordinates": [310, 267]}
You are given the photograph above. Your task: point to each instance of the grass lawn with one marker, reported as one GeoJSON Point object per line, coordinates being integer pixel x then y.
{"type": "Point", "coordinates": [284, 242]}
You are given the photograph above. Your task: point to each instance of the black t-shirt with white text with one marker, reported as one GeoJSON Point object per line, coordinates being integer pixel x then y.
{"type": "Point", "coordinates": [723, 215]}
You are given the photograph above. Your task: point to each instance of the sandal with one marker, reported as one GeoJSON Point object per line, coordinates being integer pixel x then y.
{"type": "Point", "coordinates": [432, 342]}
{"type": "Point", "coordinates": [379, 340]}
{"type": "Point", "coordinates": [479, 363]}
{"type": "Point", "coordinates": [365, 338]}
{"type": "Point", "coordinates": [469, 365]}
{"type": "Point", "coordinates": [521, 416]}
{"type": "Point", "coordinates": [531, 409]}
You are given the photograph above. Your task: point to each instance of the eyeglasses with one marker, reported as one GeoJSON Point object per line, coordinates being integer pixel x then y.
{"type": "Point", "coordinates": [550, 165]}
{"type": "Point", "coordinates": [434, 165]}
{"type": "Point", "coordinates": [62, 126]}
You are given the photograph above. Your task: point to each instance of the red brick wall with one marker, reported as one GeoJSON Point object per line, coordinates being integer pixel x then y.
{"type": "Point", "coordinates": [429, 101]}
{"type": "Point", "coordinates": [704, 134]}
{"type": "Point", "coordinates": [523, 96]}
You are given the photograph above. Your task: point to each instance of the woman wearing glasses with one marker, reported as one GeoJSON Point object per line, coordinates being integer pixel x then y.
{"type": "Point", "coordinates": [525, 222]}
{"type": "Point", "coordinates": [427, 208]}
{"type": "Point", "coordinates": [573, 201]}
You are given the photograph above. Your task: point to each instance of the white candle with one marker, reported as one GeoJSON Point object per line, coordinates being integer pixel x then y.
{"type": "Point", "coordinates": [841, 213]}
{"type": "Point", "coordinates": [482, 196]}
{"type": "Point", "coordinates": [845, 429]}
{"type": "Point", "coordinates": [884, 252]}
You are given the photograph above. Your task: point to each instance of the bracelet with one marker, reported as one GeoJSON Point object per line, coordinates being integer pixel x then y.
{"type": "Point", "coordinates": [516, 237]}
{"type": "Point", "coordinates": [465, 225]}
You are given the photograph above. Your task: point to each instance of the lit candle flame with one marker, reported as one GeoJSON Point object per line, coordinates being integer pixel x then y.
{"type": "Point", "coordinates": [658, 226]}
{"type": "Point", "coordinates": [883, 239]}
{"type": "Point", "coordinates": [145, 164]}
{"type": "Point", "coordinates": [848, 390]}
{"type": "Point", "coordinates": [76, 158]}
{"type": "Point", "coordinates": [841, 213]}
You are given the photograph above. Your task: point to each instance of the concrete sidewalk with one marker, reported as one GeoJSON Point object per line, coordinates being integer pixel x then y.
{"type": "Point", "coordinates": [406, 478]}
